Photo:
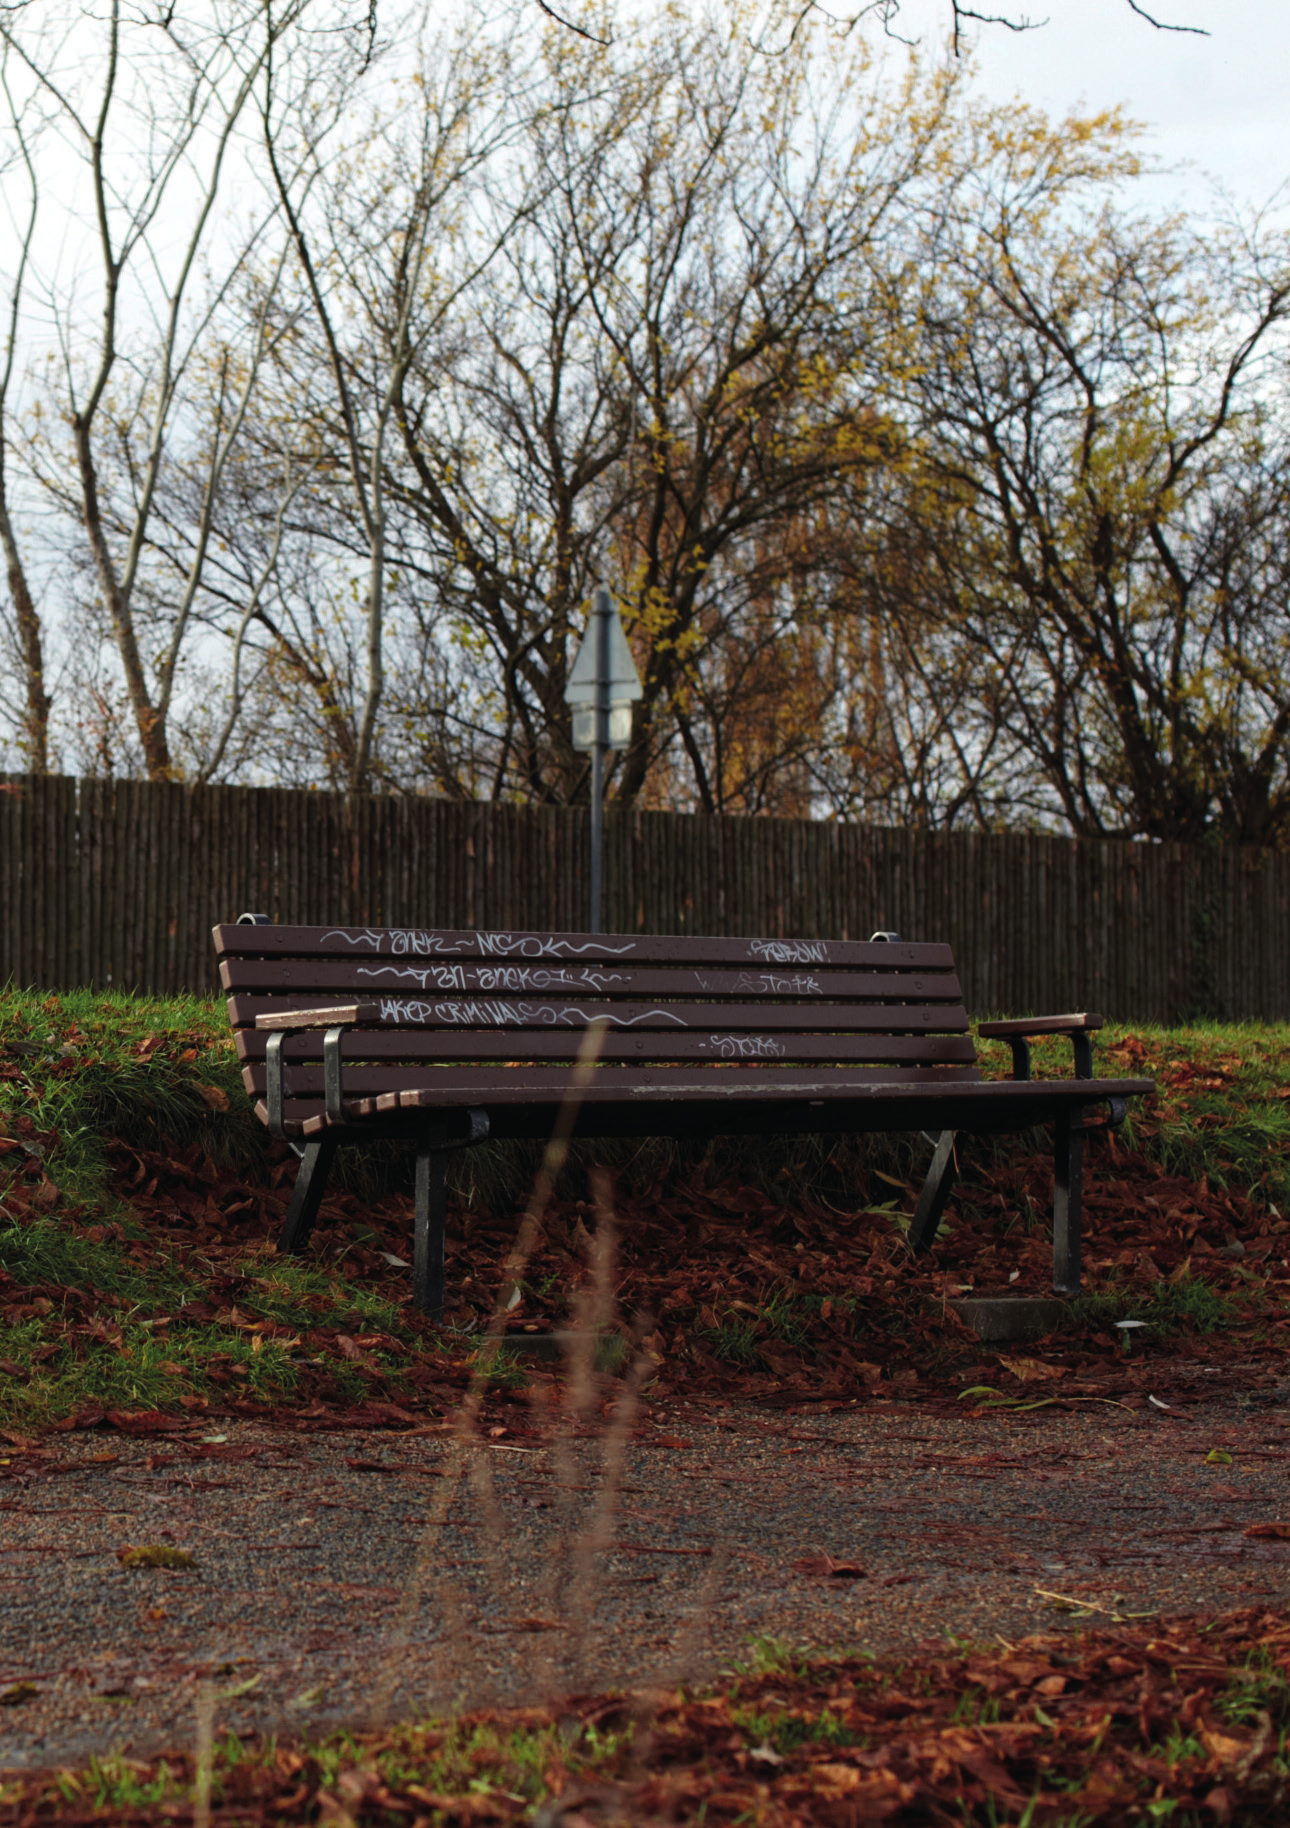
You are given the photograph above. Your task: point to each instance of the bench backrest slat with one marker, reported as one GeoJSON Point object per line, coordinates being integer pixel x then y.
{"type": "Point", "coordinates": [233, 941]}
{"type": "Point", "coordinates": [371, 978]}
{"type": "Point", "coordinates": [571, 1016]}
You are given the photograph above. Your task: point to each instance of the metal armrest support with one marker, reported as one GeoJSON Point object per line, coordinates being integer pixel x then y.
{"type": "Point", "coordinates": [275, 1089]}
{"type": "Point", "coordinates": [1018, 1035]}
{"type": "Point", "coordinates": [290, 1022]}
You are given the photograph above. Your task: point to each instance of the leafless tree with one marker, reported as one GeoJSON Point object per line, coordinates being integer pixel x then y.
{"type": "Point", "coordinates": [34, 721]}
{"type": "Point", "coordinates": [152, 104]}
{"type": "Point", "coordinates": [1102, 483]}
{"type": "Point", "coordinates": [658, 384]}
{"type": "Point", "coordinates": [375, 256]}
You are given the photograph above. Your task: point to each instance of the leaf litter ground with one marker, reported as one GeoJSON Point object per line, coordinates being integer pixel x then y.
{"type": "Point", "coordinates": [773, 1288]}
{"type": "Point", "coordinates": [1186, 1724]}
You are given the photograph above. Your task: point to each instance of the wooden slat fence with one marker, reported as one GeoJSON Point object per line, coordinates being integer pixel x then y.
{"type": "Point", "coordinates": [119, 883]}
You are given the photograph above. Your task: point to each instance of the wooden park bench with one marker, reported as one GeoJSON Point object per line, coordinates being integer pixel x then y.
{"type": "Point", "coordinates": [445, 1038]}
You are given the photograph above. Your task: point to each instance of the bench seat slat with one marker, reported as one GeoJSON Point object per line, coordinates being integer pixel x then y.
{"type": "Point", "coordinates": [813, 1101]}
{"type": "Point", "coordinates": [482, 1085]}
{"type": "Point", "coordinates": [278, 943]}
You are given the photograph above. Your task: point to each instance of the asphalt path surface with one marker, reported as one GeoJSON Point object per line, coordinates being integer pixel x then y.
{"type": "Point", "coordinates": [339, 1577]}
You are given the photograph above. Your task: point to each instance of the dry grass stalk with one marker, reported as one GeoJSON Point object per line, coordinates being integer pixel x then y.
{"type": "Point", "coordinates": [205, 1753]}
{"type": "Point", "coordinates": [465, 1452]}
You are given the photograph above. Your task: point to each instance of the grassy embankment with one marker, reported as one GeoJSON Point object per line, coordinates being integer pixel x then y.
{"type": "Point", "coordinates": [139, 1198]}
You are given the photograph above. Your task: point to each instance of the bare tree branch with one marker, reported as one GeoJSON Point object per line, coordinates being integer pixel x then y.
{"type": "Point", "coordinates": [1162, 25]}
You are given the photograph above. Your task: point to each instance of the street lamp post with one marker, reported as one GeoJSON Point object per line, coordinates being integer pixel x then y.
{"type": "Point", "coordinates": [602, 688]}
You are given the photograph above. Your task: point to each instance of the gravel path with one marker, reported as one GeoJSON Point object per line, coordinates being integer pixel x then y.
{"type": "Point", "coordinates": [305, 1546]}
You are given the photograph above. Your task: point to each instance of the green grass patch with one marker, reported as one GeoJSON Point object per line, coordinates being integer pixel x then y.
{"type": "Point", "coordinates": [1168, 1308]}
{"type": "Point", "coordinates": [142, 1333]}
{"type": "Point", "coordinates": [1257, 1688]}
{"type": "Point", "coordinates": [156, 1555]}
{"type": "Point", "coordinates": [86, 1065]}
{"type": "Point", "coordinates": [1223, 1106]}
{"type": "Point", "coordinates": [787, 1730]}
{"type": "Point", "coordinates": [103, 1309]}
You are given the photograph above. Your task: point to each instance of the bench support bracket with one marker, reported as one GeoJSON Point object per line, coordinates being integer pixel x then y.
{"type": "Point", "coordinates": [1068, 1169]}
{"type": "Point", "coordinates": [306, 1197]}
{"type": "Point", "coordinates": [934, 1198]}
{"type": "Point", "coordinates": [428, 1243]}
{"type": "Point", "coordinates": [431, 1210]}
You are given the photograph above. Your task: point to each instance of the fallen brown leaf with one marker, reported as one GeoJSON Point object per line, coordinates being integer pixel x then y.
{"type": "Point", "coordinates": [1030, 1370]}
{"type": "Point", "coordinates": [825, 1567]}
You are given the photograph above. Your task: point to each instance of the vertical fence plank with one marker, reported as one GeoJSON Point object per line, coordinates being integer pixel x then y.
{"type": "Point", "coordinates": [118, 882]}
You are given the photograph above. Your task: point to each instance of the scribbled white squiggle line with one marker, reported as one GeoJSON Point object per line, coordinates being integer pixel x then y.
{"type": "Point", "coordinates": [401, 940]}
{"type": "Point", "coordinates": [416, 940]}
{"type": "Point", "coordinates": [422, 943]}
{"type": "Point", "coordinates": [418, 977]}
{"type": "Point", "coordinates": [745, 1047]}
{"type": "Point", "coordinates": [668, 1015]}
{"type": "Point", "coordinates": [532, 945]}
{"type": "Point", "coordinates": [480, 1014]}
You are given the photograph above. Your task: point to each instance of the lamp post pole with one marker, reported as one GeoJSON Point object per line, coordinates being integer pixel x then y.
{"type": "Point", "coordinates": [601, 611]}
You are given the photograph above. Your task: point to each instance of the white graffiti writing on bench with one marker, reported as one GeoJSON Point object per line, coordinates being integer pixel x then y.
{"type": "Point", "coordinates": [399, 940]}
{"type": "Point", "coordinates": [476, 1013]}
{"type": "Point", "coordinates": [790, 951]}
{"type": "Point", "coordinates": [744, 1047]}
{"type": "Point", "coordinates": [532, 945]}
{"type": "Point", "coordinates": [538, 977]}
{"type": "Point", "coordinates": [496, 977]}
{"type": "Point", "coordinates": [500, 977]}
{"type": "Point", "coordinates": [416, 942]}
{"type": "Point", "coordinates": [771, 984]}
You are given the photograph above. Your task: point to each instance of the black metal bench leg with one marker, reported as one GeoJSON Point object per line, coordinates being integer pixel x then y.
{"type": "Point", "coordinates": [934, 1198]}
{"type": "Point", "coordinates": [311, 1183]}
{"type": "Point", "coordinates": [1068, 1168]}
{"type": "Point", "coordinates": [431, 1209]}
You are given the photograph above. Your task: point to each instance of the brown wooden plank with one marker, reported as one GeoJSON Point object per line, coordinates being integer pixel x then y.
{"type": "Point", "coordinates": [404, 1060]}
{"type": "Point", "coordinates": [305, 1081]}
{"type": "Point", "coordinates": [573, 1015]}
{"type": "Point", "coordinates": [578, 948]}
{"type": "Point", "coordinates": [398, 981]}
{"type": "Point", "coordinates": [536, 1085]}
{"type": "Point", "coordinates": [848, 1100]}
{"type": "Point", "coordinates": [1040, 1025]}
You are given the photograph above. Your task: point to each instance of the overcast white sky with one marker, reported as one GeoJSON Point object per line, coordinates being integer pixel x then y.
{"type": "Point", "coordinates": [1219, 102]}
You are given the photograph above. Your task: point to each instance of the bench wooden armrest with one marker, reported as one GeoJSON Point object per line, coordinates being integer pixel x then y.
{"type": "Point", "coordinates": [287, 1021]}
{"type": "Point", "coordinates": [1018, 1033]}
{"type": "Point", "coordinates": [344, 1016]}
